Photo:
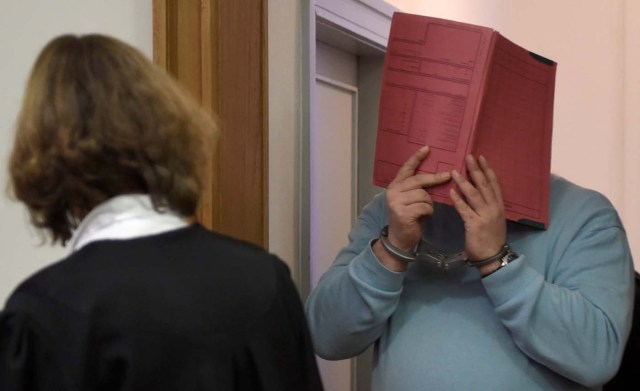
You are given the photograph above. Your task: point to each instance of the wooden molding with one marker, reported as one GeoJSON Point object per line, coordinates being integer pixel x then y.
{"type": "Point", "coordinates": [217, 50]}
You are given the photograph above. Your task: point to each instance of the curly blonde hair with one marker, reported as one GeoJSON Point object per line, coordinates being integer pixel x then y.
{"type": "Point", "coordinates": [99, 120]}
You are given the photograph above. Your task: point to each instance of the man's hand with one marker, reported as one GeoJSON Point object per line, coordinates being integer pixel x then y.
{"type": "Point", "coordinates": [408, 203]}
{"type": "Point", "coordinates": [481, 209]}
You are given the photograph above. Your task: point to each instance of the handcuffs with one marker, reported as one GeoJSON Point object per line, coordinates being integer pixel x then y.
{"type": "Point", "coordinates": [441, 259]}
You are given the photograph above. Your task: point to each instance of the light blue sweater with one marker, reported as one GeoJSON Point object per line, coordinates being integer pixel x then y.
{"type": "Point", "coordinates": [556, 318]}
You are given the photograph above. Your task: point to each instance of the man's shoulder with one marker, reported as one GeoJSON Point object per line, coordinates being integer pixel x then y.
{"type": "Point", "coordinates": [564, 190]}
{"type": "Point", "coordinates": [570, 201]}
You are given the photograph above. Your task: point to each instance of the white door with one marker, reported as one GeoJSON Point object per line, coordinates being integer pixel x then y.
{"type": "Point", "coordinates": [347, 44]}
{"type": "Point", "coordinates": [333, 176]}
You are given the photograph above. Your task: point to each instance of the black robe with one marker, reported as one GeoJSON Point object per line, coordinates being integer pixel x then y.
{"type": "Point", "coordinates": [183, 310]}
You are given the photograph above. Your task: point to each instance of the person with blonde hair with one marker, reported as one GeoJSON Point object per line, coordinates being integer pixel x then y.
{"type": "Point", "coordinates": [108, 158]}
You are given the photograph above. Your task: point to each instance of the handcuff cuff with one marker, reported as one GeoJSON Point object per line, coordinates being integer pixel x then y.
{"type": "Point", "coordinates": [425, 253]}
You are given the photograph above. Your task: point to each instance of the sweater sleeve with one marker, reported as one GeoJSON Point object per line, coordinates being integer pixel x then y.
{"type": "Point", "coordinates": [353, 300]}
{"type": "Point", "coordinates": [574, 317]}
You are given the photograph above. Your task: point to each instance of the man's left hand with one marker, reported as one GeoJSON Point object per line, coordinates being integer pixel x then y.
{"type": "Point", "coordinates": [481, 208]}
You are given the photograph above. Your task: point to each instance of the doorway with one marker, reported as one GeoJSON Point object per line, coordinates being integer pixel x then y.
{"type": "Point", "coordinates": [344, 88]}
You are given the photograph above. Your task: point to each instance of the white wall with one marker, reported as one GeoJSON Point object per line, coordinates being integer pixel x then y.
{"type": "Point", "coordinates": [596, 44]}
{"type": "Point", "coordinates": [25, 27]}
{"type": "Point", "coordinates": [284, 124]}
{"type": "Point", "coordinates": [631, 189]}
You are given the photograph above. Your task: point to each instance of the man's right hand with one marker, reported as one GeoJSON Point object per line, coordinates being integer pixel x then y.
{"type": "Point", "coordinates": [408, 203]}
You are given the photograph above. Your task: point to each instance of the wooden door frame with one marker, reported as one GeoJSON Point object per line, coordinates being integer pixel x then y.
{"type": "Point", "coordinates": [217, 49]}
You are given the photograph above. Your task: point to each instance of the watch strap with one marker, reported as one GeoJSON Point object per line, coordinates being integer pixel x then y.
{"type": "Point", "coordinates": [505, 255]}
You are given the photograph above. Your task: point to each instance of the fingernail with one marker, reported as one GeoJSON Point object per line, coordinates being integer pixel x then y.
{"type": "Point", "coordinates": [455, 173]}
{"type": "Point", "coordinates": [445, 175]}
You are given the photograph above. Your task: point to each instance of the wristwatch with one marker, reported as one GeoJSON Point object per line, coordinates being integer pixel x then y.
{"type": "Point", "coordinates": [508, 257]}
{"type": "Point", "coordinates": [505, 255]}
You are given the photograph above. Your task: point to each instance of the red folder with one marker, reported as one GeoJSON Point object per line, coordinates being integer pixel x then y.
{"type": "Point", "coordinates": [466, 89]}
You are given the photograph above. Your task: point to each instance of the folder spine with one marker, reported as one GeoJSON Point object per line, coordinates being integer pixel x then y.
{"type": "Point", "coordinates": [473, 141]}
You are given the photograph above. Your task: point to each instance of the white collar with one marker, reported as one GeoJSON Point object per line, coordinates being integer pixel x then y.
{"type": "Point", "coordinates": [124, 217]}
